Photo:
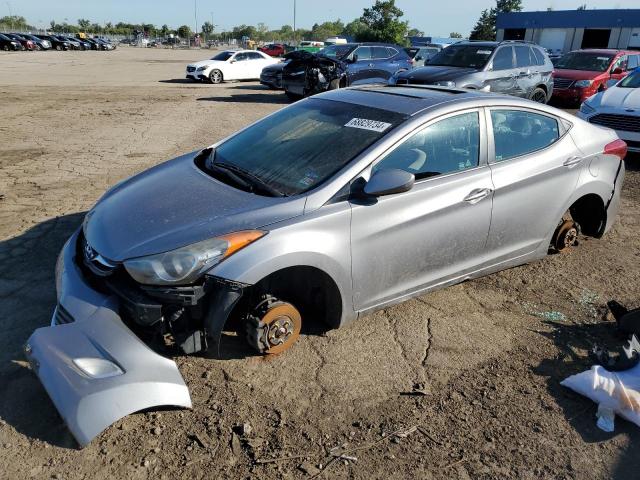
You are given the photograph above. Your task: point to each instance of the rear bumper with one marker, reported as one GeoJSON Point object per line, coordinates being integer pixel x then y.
{"type": "Point", "coordinates": [87, 402]}
{"type": "Point", "coordinates": [572, 95]}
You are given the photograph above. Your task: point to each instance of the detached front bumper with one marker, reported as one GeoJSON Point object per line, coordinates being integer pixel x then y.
{"type": "Point", "coordinates": [93, 367]}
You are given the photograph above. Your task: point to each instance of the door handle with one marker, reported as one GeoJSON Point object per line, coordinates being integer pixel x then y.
{"type": "Point", "coordinates": [571, 161]}
{"type": "Point", "coordinates": [477, 194]}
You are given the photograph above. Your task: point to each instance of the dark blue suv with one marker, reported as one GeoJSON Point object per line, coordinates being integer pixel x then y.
{"type": "Point", "coordinates": [343, 65]}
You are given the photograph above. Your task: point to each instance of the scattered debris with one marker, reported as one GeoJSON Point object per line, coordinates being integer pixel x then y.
{"type": "Point", "coordinates": [419, 389]}
{"type": "Point", "coordinates": [309, 468]}
{"type": "Point", "coordinates": [236, 447]}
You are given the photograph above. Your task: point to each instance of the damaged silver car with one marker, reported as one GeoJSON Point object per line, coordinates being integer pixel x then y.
{"type": "Point", "coordinates": [324, 211]}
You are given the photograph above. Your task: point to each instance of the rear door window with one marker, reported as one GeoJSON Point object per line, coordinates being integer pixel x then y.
{"type": "Point", "coordinates": [519, 132]}
{"type": "Point", "coordinates": [503, 59]}
{"type": "Point", "coordinates": [522, 56]}
{"type": "Point", "coordinates": [633, 62]}
{"type": "Point", "coordinates": [379, 53]}
{"type": "Point", "coordinates": [391, 52]}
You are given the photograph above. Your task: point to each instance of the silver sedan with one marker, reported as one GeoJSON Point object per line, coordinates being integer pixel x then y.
{"type": "Point", "coordinates": [324, 211]}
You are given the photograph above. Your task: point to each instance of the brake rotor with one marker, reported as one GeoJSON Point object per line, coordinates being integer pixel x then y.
{"type": "Point", "coordinates": [566, 235]}
{"type": "Point", "coordinates": [273, 326]}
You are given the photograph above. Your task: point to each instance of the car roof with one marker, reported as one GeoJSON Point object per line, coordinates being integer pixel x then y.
{"type": "Point", "coordinates": [611, 51]}
{"type": "Point", "coordinates": [405, 99]}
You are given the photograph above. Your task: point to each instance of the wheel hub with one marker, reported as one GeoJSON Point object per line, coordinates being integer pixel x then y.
{"type": "Point", "coordinates": [273, 326]}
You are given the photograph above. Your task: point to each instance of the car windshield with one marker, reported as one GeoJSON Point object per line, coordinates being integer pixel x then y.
{"type": "Point", "coordinates": [631, 81]}
{"type": "Point", "coordinates": [336, 51]}
{"type": "Point", "coordinates": [300, 147]}
{"type": "Point", "coordinates": [3, 37]}
{"type": "Point", "coordinates": [469, 56]}
{"type": "Point", "coordinates": [223, 56]}
{"type": "Point", "coordinates": [589, 61]}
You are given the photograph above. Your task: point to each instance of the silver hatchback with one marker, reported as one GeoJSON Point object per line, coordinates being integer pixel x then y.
{"type": "Point", "coordinates": [324, 211]}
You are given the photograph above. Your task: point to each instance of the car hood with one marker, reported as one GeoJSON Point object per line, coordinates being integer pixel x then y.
{"type": "Point", "coordinates": [277, 67]}
{"type": "Point", "coordinates": [206, 63]}
{"type": "Point", "coordinates": [576, 74]}
{"type": "Point", "coordinates": [176, 204]}
{"type": "Point", "coordinates": [437, 73]}
{"type": "Point", "coordinates": [617, 97]}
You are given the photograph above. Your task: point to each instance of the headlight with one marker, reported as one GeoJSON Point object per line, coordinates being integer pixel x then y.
{"type": "Point", "coordinates": [200, 69]}
{"type": "Point", "coordinates": [586, 108]}
{"type": "Point", "coordinates": [186, 264]}
{"type": "Point", "coordinates": [446, 83]}
{"type": "Point", "coordinates": [583, 83]}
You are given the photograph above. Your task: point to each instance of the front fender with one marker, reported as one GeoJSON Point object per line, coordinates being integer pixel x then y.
{"type": "Point", "coordinates": [320, 240]}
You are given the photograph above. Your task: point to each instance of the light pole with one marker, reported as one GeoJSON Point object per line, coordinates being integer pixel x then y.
{"type": "Point", "coordinates": [10, 14]}
{"type": "Point", "coordinates": [195, 17]}
{"type": "Point", "coordinates": [294, 20]}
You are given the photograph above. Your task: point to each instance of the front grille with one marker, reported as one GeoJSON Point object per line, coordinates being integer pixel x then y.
{"type": "Point", "coordinates": [562, 83]}
{"type": "Point", "coordinates": [191, 69]}
{"type": "Point", "coordinates": [627, 123]}
{"type": "Point", "coordinates": [62, 316]}
{"type": "Point", "coordinates": [94, 261]}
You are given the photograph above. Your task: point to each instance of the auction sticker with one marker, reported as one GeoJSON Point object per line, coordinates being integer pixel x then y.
{"type": "Point", "coordinates": [366, 124]}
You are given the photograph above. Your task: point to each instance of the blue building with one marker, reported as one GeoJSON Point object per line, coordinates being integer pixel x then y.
{"type": "Point", "coordinates": [564, 30]}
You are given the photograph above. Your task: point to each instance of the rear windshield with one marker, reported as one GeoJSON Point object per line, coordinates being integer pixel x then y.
{"type": "Point", "coordinates": [470, 56]}
{"type": "Point", "coordinates": [223, 56]}
{"type": "Point", "coordinates": [631, 81]}
{"type": "Point", "coordinates": [301, 146]}
{"type": "Point", "coordinates": [588, 61]}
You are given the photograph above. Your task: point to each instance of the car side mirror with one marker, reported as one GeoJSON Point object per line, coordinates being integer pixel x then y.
{"type": "Point", "coordinates": [354, 59]}
{"type": "Point", "coordinates": [388, 182]}
{"type": "Point", "coordinates": [418, 58]}
{"type": "Point", "coordinates": [233, 60]}
{"type": "Point", "coordinates": [616, 71]}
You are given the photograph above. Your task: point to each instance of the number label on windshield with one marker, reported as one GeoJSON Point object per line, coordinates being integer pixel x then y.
{"type": "Point", "coordinates": [366, 124]}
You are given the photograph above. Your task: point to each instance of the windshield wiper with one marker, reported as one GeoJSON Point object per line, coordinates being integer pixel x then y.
{"type": "Point", "coordinates": [215, 167]}
{"type": "Point", "coordinates": [252, 181]}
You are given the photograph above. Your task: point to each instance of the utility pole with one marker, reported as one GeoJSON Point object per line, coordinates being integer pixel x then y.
{"type": "Point", "coordinates": [195, 17]}
{"type": "Point", "coordinates": [294, 20]}
{"type": "Point", "coordinates": [10, 14]}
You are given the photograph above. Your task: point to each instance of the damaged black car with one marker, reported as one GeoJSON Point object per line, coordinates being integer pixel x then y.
{"type": "Point", "coordinates": [339, 66]}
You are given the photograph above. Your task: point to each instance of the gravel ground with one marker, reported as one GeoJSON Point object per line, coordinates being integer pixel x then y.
{"type": "Point", "coordinates": [486, 355]}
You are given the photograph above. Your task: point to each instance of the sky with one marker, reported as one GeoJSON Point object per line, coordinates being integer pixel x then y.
{"type": "Point", "coordinates": [436, 18]}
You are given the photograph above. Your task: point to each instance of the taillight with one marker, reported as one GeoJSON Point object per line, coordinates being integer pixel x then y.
{"type": "Point", "coordinates": [617, 147]}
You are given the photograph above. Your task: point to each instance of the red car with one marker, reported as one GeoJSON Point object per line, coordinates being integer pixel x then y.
{"type": "Point", "coordinates": [25, 42]}
{"type": "Point", "coordinates": [583, 73]}
{"type": "Point", "coordinates": [273, 49]}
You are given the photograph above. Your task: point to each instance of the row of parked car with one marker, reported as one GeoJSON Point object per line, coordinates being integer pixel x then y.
{"type": "Point", "coordinates": [518, 68]}
{"type": "Point", "coordinates": [27, 41]}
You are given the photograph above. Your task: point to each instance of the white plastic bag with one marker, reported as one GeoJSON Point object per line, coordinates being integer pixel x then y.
{"type": "Point", "coordinates": [618, 391]}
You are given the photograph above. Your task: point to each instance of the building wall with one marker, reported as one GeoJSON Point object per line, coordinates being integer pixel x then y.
{"type": "Point", "coordinates": [619, 38]}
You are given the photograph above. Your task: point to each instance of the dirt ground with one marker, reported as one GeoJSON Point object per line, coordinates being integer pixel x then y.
{"type": "Point", "coordinates": [488, 354]}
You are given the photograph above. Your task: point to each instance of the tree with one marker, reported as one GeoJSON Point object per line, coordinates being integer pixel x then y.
{"type": "Point", "coordinates": [164, 30]}
{"type": "Point", "coordinates": [582, 7]}
{"type": "Point", "coordinates": [84, 24]}
{"type": "Point", "coordinates": [455, 35]}
{"type": "Point", "coordinates": [207, 29]}
{"type": "Point", "coordinates": [355, 28]}
{"type": "Point", "coordinates": [383, 23]}
{"type": "Point", "coordinates": [327, 29]}
{"type": "Point", "coordinates": [485, 26]}
{"type": "Point", "coordinates": [414, 32]}
{"type": "Point", "coordinates": [184, 31]}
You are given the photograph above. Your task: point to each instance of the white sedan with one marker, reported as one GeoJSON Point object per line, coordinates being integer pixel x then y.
{"type": "Point", "coordinates": [618, 107]}
{"type": "Point", "coordinates": [230, 65]}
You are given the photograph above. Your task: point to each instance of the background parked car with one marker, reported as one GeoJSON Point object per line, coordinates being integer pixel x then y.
{"type": "Point", "coordinates": [230, 65]}
{"type": "Point", "coordinates": [273, 49]}
{"type": "Point", "coordinates": [40, 43]}
{"type": "Point", "coordinates": [56, 43]}
{"type": "Point", "coordinates": [26, 43]}
{"type": "Point", "coordinates": [342, 65]}
{"type": "Point", "coordinates": [510, 67]}
{"type": "Point", "coordinates": [73, 43]}
{"type": "Point", "coordinates": [8, 44]}
{"type": "Point", "coordinates": [618, 108]}
{"type": "Point", "coordinates": [425, 53]}
{"type": "Point", "coordinates": [582, 73]}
